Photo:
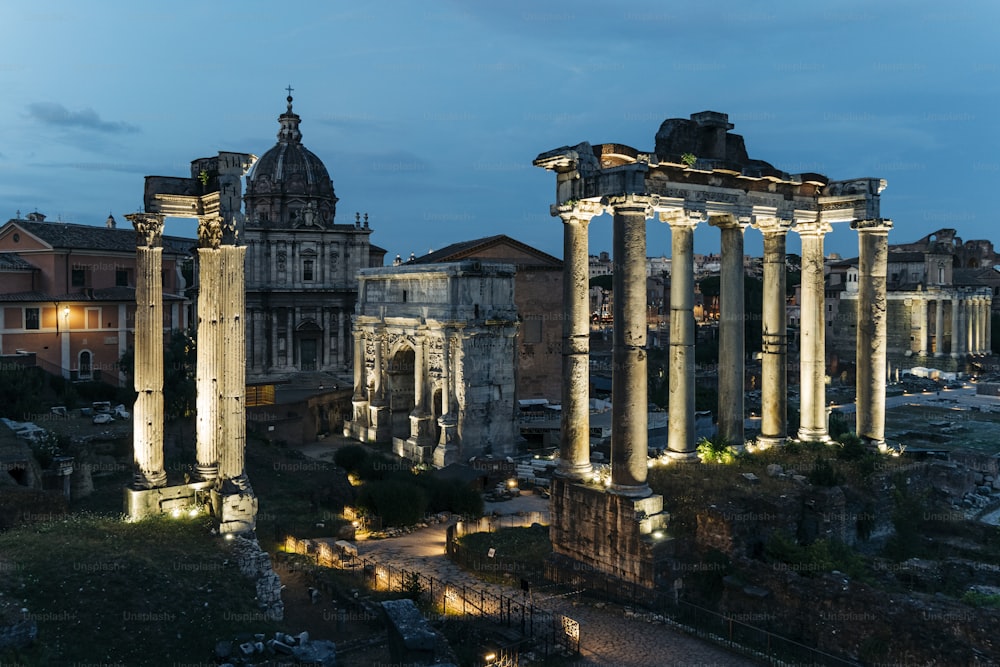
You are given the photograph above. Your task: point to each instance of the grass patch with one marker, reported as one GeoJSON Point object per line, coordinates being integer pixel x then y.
{"type": "Point", "coordinates": [157, 591]}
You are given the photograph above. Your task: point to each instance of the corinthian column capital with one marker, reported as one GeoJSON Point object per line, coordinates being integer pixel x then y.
{"type": "Point", "coordinates": [768, 225]}
{"type": "Point", "coordinates": [148, 228]}
{"type": "Point", "coordinates": [683, 217]}
{"type": "Point", "coordinates": [875, 225]}
{"type": "Point", "coordinates": [812, 228]}
{"type": "Point", "coordinates": [581, 210]}
{"type": "Point", "coordinates": [630, 202]}
{"type": "Point", "coordinates": [209, 231]}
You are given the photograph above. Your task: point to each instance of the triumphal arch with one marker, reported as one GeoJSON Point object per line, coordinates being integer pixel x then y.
{"type": "Point", "coordinates": [434, 359]}
{"type": "Point", "coordinates": [697, 173]}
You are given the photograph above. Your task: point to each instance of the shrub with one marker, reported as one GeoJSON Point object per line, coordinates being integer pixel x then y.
{"type": "Point", "coordinates": [351, 458]}
{"type": "Point", "coordinates": [851, 448]}
{"type": "Point", "coordinates": [715, 451]}
{"type": "Point", "coordinates": [397, 503]}
{"type": "Point", "coordinates": [824, 474]}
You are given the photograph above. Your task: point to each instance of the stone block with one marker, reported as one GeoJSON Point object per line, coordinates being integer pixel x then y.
{"type": "Point", "coordinates": [235, 512]}
{"type": "Point", "coordinates": [141, 503]}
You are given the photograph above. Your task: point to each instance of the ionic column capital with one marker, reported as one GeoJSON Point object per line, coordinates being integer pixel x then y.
{"type": "Point", "coordinates": [683, 217]}
{"type": "Point", "coordinates": [579, 211]}
{"type": "Point", "coordinates": [209, 231]}
{"type": "Point", "coordinates": [812, 228]}
{"type": "Point", "coordinates": [875, 225]}
{"type": "Point", "coordinates": [148, 229]}
{"type": "Point", "coordinates": [771, 225]}
{"type": "Point", "coordinates": [630, 202]}
{"type": "Point", "coordinates": [729, 221]}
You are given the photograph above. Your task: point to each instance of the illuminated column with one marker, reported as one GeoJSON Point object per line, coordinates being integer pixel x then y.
{"type": "Point", "coordinates": [873, 255]}
{"type": "Point", "coordinates": [731, 330]}
{"type": "Point", "coordinates": [446, 452]}
{"type": "Point", "coordinates": [955, 327]}
{"type": "Point", "coordinates": [680, 428]}
{"type": "Point", "coordinates": [812, 347]}
{"type": "Point", "coordinates": [209, 347]}
{"type": "Point", "coordinates": [989, 325]}
{"type": "Point", "coordinates": [939, 327]}
{"type": "Point", "coordinates": [574, 455]}
{"type": "Point", "coordinates": [629, 388]}
{"type": "Point", "coordinates": [774, 336]}
{"type": "Point", "coordinates": [963, 334]}
{"type": "Point", "coordinates": [232, 381]}
{"type": "Point", "coordinates": [147, 432]}
{"type": "Point", "coordinates": [922, 306]}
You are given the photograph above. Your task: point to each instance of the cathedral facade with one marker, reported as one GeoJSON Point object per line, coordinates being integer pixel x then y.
{"type": "Point", "coordinates": [301, 265]}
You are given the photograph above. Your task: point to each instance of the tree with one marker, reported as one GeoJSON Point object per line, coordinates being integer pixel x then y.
{"type": "Point", "coordinates": [179, 388]}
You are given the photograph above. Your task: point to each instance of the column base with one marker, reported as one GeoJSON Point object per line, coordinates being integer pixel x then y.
{"type": "Point", "coordinates": [420, 430]}
{"type": "Point", "coordinates": [814, 435]}
{"type": "Point", "coordinates": [632, 491]}
{"type": "Point", "coordinates": [149, 481]}
{"type": "Point", "coordinates": [142, 503]}
{"type": "Point", "coordinates": [446, 451]}
{"type": "Point", "coordinates": [768, 441]}
{"type": "Point", "coordinates": [206, 473]}
{"type": "Point", "coordinates": [574, 471]}
{"type": "Point", "coordinates": [380, 421]}
{"type": "Point", "coordinates": [683, 457]}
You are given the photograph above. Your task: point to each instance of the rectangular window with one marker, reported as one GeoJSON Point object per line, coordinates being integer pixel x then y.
{"type": "Point", "coordinates": [121, 277]}
{"type": "Point", "coordinates": [78, 277]}
{"type": "Point", "coordinates": [307, 270]}
{"type": "Point", "coordinates": [31, 317]}
{"type": "Point", "coordinates": [93, 318]}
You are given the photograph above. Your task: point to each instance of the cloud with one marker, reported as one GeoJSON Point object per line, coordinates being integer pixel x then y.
{"type": "Point", "coordinates": [51, 113]}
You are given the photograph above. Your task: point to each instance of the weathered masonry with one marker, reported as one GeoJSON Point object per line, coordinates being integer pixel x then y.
{"type": "Point", "coordinates": [698, 172]}
{"type": "Point", "coordinates": [434, 351]}
{"type": "Point", "coordinates": [220, 471]}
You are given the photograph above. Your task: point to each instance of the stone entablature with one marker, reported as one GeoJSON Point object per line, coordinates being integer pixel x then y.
{"type": "Point", "coordinates": [434, 360]}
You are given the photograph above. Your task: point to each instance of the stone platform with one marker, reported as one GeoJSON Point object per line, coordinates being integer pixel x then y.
{"type": "Point", "coordinates": [142, 503]}
{"type": "Point", "coordinates": [595, 530]}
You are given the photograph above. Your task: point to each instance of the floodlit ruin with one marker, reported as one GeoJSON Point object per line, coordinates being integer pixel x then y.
{"type": "Point", "coordinates": [697, 173]}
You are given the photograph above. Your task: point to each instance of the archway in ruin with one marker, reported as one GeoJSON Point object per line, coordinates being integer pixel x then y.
{"type": "Point", "coordinates": [401, 390]}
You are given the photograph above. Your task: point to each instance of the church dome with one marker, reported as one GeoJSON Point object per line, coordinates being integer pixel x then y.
{"type": "Point", "coordinates": [289, 185]}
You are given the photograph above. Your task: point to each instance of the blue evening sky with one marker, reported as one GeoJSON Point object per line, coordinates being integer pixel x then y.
{"type": "Point", "coordinates": [428, 114]}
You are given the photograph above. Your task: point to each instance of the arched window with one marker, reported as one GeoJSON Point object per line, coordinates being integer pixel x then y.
{"type": "Point", "coordinates": [85, 365]}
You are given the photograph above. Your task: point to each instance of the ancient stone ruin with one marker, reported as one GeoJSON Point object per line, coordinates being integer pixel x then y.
{"type": "Point", "coordinates": [220, 475]}
{"type": "Point", "coordinates": [698, 172]}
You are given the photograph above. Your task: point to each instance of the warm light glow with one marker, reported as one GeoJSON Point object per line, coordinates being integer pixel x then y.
{"type": "Point", "coordinates": [193, 512]}
{"type": "Point", "coordinates": [511, 483]}
{"type": "Point", "coordinates": [229, 536]}
{"type": "Point", "coordinates": [658, 534]}
{"type": "Point", "coordinates": [175, 513]}
{"type": "Point", "coordinates": [490, 657]}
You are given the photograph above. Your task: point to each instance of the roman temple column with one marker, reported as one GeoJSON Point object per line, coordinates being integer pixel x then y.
{"type": "Point", "coordinates": [963, 334]}
{"type": "Point", "coordinates": [731, 330]}
{"type": "Point", "coordinates": [939, 326]}
{"type": "Point", "coordinates": [989, 325]}
{"type": "Point", "coordinates": [210, 348]}
{"type": "Point", "coordinates": [574, 454]}
{"type": "Point", "coordinates": [232, 378]}
{"type": "Point", "coordinates": [629, 404]}
{"type": "Point", "coordinates": [812, 348]}
{"type": "Point", "coordinates": [774, 335]}
{"type": "Point", "coordinates": [147, 419]}
{"type": "Point", "coordinates": [923, 306]}
{"type": "Point", "coordinates": [446, 452]}
{"type": "Point", "coordinates": [680, 433]}
{"type": "Point", "coordinates": [873, 255]}
{"type": "Point", "coordinates": [955, 327]}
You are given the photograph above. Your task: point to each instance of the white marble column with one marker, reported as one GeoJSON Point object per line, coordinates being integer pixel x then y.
{"type": "Point", "coordinates": [732, 318]}
{"type": "Point", "coordinates": [963, 324]}
{"type": "Point", "coordinates": [446, 451]}
{"type": "Point", "coordinates": [774, 335]}
{"type": "Point", "coordinates": [812, 347]}
{"type": "Point", "coordinates": [574, 454]}
{"type": "Point", "coordinates": [955, 327]}
{"type": "Point", "coordinates": [232, 385]}
{"type": "Point", "coordinates": [629, 381]}
{"type": "Point", "coordinates": [147, 417]}
{"type": "Point", "coordinates": [873, 255]}
{"type": "Point", "coordinates": [939, 326]}
{"type": "Point", "coordinates": [922, 305]}
{"type": "Point", "coordinates": [680, 429]}
{"type": "Point", "coordinates": [989, 325]}
{"type": "Point", "coordinates": [210, 348]}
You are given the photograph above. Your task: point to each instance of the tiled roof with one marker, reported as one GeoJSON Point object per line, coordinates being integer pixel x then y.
{"type": "Point", "coordinates": [92, 237]}
{"type": "Point", "coordinates": [11, 261]}
{"type": "Point", "coordinates": [126, 294]}
{"type": "Point", "coordinates": [464, 249]}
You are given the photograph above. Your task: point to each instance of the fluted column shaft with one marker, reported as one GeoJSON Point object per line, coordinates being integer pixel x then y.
{"type": "Point", "coordinates": [376, 397]}
{"type": "Point", "coordinates": [955, 326]}
{"type": "Point", "coordinates": [359, 366]}
{"type": "Point", "coordinates": [939, 327]}
{"type": "Point", "coordinates": [574, 454]}
{"type": "Point", "coordinates": [922, 312]}
{"type": "Point", "coordinates": [210, 349]}
{"type": "Point", "coordinates": [680, 429]}
{"type": "Point", "coordinates": [147, 424]}
{"type": "Point", "coordinates": [873, 255]}
{"type": "Point", "coordinates": [418, 376]}
{"type": "Point", "coordinates": [774, 337]}
{"type": "Point", "coordinates": [963, 334]}
{"type": "Point", "coordinates": [812, 361]}
{"type": "Point", "coordinates": [232, 450]}
{"type": "Point", "coordinates": [731, 330]}
{"type": "Point", "coordinates": [989, 325]}
{"type": "Point", "coordinates": [629, 389]}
